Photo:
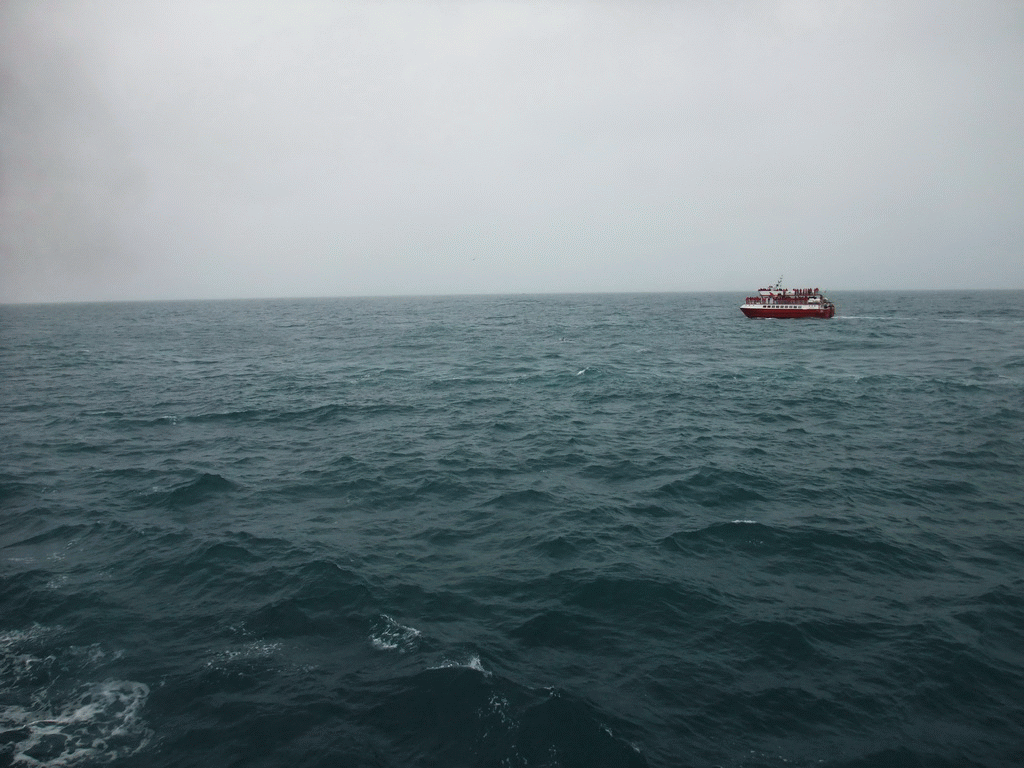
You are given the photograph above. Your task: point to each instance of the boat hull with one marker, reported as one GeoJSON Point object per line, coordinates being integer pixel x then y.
{"type": "Point", "coordinates": [787, 313]}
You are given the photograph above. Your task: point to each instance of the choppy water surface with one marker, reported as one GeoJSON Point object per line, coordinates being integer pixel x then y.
{"type": "Point", "coordinates": [576, 531]}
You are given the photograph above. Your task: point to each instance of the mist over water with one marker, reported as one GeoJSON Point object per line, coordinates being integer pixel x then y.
{"type": "Point", "coordinates": [205, 149]}
{"type": "Point", "coordinates": [606, 530]}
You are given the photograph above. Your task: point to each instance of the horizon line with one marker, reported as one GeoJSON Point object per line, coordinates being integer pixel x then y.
{"type": "Point", "coordinates": [495, 294]}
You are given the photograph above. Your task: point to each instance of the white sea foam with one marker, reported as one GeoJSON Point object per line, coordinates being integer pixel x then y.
{"type": "Point", "coordinates": [388, 635]}
{"type": "Point", "coordinates": [18, 664]}
{"type": "Point", "coordinates": [94, 725]}
{"type": "Point", "coordinates": [16, 637]}
{"type": "Point", "coordinates": [473, 662]}
{"type": "Point", "coordinates": [498, 705]}
{"type": "Point", "coordinates": [255, 650]}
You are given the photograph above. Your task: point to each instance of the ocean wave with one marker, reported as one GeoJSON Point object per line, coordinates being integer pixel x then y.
{"type": "Point", "coordinates": [205, 487]}
{"type": "Point", "coordinates": [807, 548]}
{"type": "Point", "coordinates": [459, 714]}
{"type": "Point", "coordinates": [714, 487]}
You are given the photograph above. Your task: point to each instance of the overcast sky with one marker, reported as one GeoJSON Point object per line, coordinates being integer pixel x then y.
{"type": "Point", "coordinates": [160, 150]}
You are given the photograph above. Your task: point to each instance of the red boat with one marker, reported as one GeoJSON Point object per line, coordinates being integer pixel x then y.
{"type": "Point", "coordinates": [788, 302]}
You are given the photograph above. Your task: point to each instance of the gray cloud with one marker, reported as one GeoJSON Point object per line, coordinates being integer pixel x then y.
{"type": "Point", "coordinates": [159, 150]}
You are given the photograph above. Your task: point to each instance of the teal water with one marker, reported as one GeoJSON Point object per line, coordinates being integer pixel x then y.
{"type": "Point", "coordinates": [615, 530]}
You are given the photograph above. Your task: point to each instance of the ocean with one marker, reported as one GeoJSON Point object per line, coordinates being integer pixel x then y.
{"type": "Point", "coordinates": [582, 531]}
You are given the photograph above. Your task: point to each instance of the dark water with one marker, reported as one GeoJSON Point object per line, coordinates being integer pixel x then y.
{"type": "Point", "coordinates": [577, 531]}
